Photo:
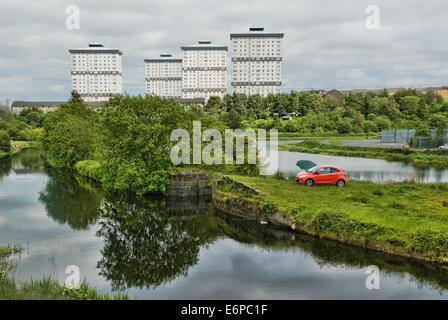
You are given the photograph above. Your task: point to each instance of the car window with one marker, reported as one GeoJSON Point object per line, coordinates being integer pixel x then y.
{"type": "Point", "coordinates": [312, 169]}
{"type": "Point", "coordinates": [334, 170]}
{"type": "Point", "coordinates": [324, 170]}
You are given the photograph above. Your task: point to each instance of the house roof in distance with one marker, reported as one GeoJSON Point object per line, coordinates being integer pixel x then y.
{"type": "Point", "coordinates": [96, 48]}
{"type": "Point", "coordinates": [50, 104]}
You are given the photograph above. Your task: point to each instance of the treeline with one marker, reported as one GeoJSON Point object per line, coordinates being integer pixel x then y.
{"type": "Point", "coordinates": [358, 113]}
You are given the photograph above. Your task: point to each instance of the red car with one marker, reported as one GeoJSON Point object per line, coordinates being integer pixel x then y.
{"type": "Point", "coordinates": [322, 175]}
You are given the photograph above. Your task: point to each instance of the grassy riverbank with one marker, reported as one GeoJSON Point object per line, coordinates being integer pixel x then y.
{"type": "Point", "coordinates": [48, 289]}
{"type": "Point", "coordinates": [43, 289]}
{"type": "Point", "coordinates": [424, 157]}
{"type": "Point", "coordinates": [402, 218]}
{"type": "Point", "coordinates": [17, 146]}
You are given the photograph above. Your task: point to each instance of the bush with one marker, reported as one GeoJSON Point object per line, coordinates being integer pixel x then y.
{"type": "Point", "coordinates": [88, 168]}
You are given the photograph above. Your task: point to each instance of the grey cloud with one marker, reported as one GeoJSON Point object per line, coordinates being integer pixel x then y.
{"type": "Point", "coordinates": [326, 44]}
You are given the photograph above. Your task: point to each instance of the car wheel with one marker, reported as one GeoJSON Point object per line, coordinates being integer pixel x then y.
{"type": "Point", "coordinates": [309, 182]}
{"type": "Point", "coordinates": [340, 183]}
{"type": "Point", "coordinates": [297, 180]}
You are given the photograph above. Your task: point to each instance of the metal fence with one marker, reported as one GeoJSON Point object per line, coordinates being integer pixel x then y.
{"type": "Point", "coordinates": [397, 136]}
{"type": "Point", "coordinates": [434, 140]}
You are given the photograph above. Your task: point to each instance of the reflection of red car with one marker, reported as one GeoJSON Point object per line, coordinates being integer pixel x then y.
{"type": "Point", "coordinates": [322, 175]}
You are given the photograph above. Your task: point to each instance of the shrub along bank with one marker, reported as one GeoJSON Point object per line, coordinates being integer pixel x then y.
{"type": "Point", "coordinates": [401, 218]}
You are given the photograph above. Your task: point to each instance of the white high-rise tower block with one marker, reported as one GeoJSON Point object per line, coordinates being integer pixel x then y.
{"type": "Point", "coordinates": [164, 76]}
{"type": "Point", "coordinates": [204, 70]}
{"type": "Point", "coordinates": [256, 62]}
{"type": "Point", "coordinates": [96, 72]}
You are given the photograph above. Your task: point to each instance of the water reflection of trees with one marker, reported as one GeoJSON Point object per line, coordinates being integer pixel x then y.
{"type": "Point", "coordinates": [5, 167]}
{"type": "Point", "coordinates": [71, 200]}
{"type": "Point", "coordinates": [146, 246]}
{"type": "Point", "coordinates": [329, 253]}
{"type": "Point", "coordinates": [28, 160]}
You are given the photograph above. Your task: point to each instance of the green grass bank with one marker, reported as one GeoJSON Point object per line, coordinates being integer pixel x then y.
{"type": "Point", "coordinates": [407, 219]}
{"type": "Point", "coordinates": [43, 289]}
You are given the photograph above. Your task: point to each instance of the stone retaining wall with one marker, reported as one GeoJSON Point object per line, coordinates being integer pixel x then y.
{"type": "Point", "coordinates": [188, 184]}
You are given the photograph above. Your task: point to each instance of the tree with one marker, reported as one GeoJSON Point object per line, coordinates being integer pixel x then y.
{"type": "Point", "coordinates": [135, 142]}
{"type": "Point", "coordinates": [354, 100]}
{"type": "Point", "coordinates": [344, 126]}
{"type": "Point", "coordinates": [32, 116]}
{"type": "Point", "coordinates": [70, 134]}
{"type": "Point", "coordinates": [240, 103]}
{"type": "Point", "coordinates": [232, 119]}
{"type": "Point", "coordinates": [331, 103]}
{"type": "Point", "coordinates": [400, 94]}
{"type": "Point", "coordinates": [213, 104]}
{"type": "Point", "coordinates": [227, 103]}
{"type": "Point", "coordinates": [370, 126]}
{"type": "Point", "coordinates": [310, 101]}
{"type": "Point", "coordinates": [281, 104]}
{"type": "Point", "coordinates": [383, 93]}
{"type": "Point", "coordinates": [439, 122]}
{"type": "Point", "coordinates": [5, 142]}
{"type": "Point", "coordinates": [382, 123]}
{"type": "Point", "coordinates": [409, 105]}
{"type": "Point", "coordinates": [432, 98]}
{"type": "Point", "coordinates": [75, 97]}
{"type": "Point", "coordinates": [197, 110]}
{"type": "Point", "coordinates": [255, 107]}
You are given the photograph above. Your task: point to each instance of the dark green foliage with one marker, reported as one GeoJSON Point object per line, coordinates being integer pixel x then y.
{"type": "Point", "coordinates": [5, 142]}
{"type": "Point", "coordinates": [232, 119]}
{"type": "Point", "coordinates": [344, 126]}
{"type": "Point", "coordinates": [75, 97]}
{"type": "Point", "coordinates": [267, 205]}
{"type": "Point", "coordinates": [344, 227]}
{"type": "Point", "coordinates": [69, 200]}
{"type": "Point", "coordinates": [70, 134]}
{"type": "Point", "coordinates": [32, 116]}
{"type": "Point", "coordinates": [135, 142]}
{"type": "Point", "coordinates": [405, 109]}
{"type": "Point", "coordinates": [434, 243]}
{"type": "Point", "coordinates": [145, 246]}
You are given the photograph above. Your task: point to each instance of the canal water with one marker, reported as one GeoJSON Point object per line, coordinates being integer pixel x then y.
{"type": "Point", "coordinates": [376, 170]}
{"type": "Point", "coordinates": [160, 250]}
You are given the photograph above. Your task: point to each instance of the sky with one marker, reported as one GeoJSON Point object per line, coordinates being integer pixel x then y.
{"type": "Point", "coordinates": [326, 44]}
